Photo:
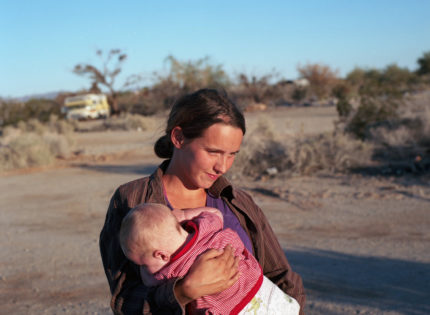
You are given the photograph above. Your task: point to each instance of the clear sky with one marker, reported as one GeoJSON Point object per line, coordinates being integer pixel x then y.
{"type": "Point", "coordinates": [42, 40]}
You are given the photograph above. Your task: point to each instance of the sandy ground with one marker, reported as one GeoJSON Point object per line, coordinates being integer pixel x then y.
{"type": "Point", "coordinates": [360, 243]}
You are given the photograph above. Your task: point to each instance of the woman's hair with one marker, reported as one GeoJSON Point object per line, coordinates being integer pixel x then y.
{"type": "Point", "coordinates": [196, 112]}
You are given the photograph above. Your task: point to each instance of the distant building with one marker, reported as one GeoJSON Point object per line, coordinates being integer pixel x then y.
{"type": "Point", "coordinates": [301, 82]}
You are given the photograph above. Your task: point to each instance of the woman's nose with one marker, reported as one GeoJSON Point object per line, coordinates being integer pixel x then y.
{"type": "Point", "coordinates": [221, 164]}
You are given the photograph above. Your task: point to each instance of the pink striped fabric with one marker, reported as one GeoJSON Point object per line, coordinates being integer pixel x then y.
{"type": "Point", "coordinates": [208, 233]}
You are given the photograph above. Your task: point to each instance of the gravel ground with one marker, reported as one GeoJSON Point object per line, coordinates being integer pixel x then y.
{"type": "Point", "coordinates": [360, 243]}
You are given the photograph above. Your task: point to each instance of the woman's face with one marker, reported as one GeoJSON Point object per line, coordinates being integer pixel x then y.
{"type": "Point", "coordinates": [202, 160]}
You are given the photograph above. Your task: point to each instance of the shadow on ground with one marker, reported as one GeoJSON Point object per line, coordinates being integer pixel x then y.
{"type": "Point", "coordinates": [143, 169]}
{"type": "Point", "coordinates": [363, 281]}
{"type": "Point", "coordinates": [405, 169]}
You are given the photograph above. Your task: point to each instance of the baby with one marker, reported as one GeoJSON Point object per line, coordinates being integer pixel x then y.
{"type": "Point", "coordinates": [152, 237]}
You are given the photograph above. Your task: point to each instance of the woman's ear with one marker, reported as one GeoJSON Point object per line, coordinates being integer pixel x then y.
{"type": "Point", "coordinates": [177, 137]}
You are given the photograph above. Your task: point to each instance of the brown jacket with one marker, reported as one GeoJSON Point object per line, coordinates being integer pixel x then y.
{"type": "Point", "coordinates": [130, 296]}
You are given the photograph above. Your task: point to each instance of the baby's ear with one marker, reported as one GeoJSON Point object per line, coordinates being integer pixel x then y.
{"type": "Point", "coordinates": [162, 255]}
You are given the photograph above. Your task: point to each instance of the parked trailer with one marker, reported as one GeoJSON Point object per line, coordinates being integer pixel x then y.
{"type": "Point", "coordinates": [87, 106]}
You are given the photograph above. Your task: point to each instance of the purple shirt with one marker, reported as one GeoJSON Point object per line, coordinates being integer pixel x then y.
{"type": "Point", "coordinates": [230, 220]}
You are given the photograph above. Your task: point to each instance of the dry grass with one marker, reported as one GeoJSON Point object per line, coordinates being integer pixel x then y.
{"type": "Point", "coordinates": [264, 153]}
{"type": "Point", "coordinates": [125, 122]}
{"type": "Point", "coordinates": [35, 144]}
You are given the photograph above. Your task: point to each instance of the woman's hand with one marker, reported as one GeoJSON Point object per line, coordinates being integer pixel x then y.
{"type": "Point", "coordinates": [212, 272]}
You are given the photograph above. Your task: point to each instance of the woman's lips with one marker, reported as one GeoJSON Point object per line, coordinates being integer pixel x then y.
{"type": "Point", "coordinates": [213, 177]}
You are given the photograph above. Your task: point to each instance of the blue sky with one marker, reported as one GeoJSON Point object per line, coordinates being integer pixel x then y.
{"type": "Point", "coordinates": [43, 40]}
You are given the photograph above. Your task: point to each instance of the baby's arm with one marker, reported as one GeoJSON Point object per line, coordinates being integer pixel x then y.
{"type": "Point", "coordinates": [188, 214]}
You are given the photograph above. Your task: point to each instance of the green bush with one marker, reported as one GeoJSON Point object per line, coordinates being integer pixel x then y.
{"type": "Point", "coordinates": [424, 64]}
{"type": "Point", "coordinates": [371, 111]}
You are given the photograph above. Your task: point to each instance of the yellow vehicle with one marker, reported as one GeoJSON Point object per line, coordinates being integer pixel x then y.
{"type": "Point", "coordinates": [87, 106]}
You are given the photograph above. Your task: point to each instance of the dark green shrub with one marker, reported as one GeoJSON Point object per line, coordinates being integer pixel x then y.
{"type": "Point", "coordinates": [342, 92]}
{"type": "Point", "coordinates": [369, 112]}
{"type": "Point", "coordinates": [424, 64]}
{"type": "Point", "coordinates": [343, 108]}
{"type": "Point", "coordinates": [299, 94]}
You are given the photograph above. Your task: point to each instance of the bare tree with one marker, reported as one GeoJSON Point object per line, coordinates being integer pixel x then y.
{"type": "Point", "coordinates": [321, 78]}
{"type": "Point", "coordinates": [106, 75]}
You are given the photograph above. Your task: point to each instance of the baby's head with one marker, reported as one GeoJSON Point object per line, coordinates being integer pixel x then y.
{"type": "Point", "coordinates": [150, 234]}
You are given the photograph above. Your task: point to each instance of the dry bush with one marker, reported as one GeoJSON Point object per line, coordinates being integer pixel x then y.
{"type": "Point", "coordinates": [32, 149]}
{"type": "Point", "coordinates": [54, 125]}
{"type": "Point", "coordinates": [35, 144]}
{"type": "Point", "coordinates": [11, 112]}
{"type": "Point", "coordinates": [332, 152]}
{"type": "Point", "coordinates": [264, 153]}
{"type": "Point", "coordinates": [407, 136]}
{"type": "Point", "coordinates": [25, 150]}
{"type": "Point", "coordinates": [321, 79]}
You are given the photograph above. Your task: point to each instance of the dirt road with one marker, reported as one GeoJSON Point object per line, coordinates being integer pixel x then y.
{"type": "Point", "coordinates": [360, 243]}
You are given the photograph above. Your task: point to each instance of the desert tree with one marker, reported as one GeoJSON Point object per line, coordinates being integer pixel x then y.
{"type": "Point", "coordinates": [106, 75]}
{"type": "Point", "coordinates": [195, 74]}
{"type": "Point", "coordinates": [254, 88]}
{"type": "Point", "coordinates": [181, 77]}
{"type": "Point", "coordinates": [321, 78]}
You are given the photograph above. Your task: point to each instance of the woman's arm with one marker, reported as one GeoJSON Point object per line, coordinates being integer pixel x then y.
{"type": "Point", "coordinates": [212, 272]}
{"type": "Point", "coordinates": [268, 250]}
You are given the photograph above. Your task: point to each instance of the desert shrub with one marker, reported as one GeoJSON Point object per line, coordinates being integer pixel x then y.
{"type": "Point", "coordinates": [299, 94]}
{"type": "Point", "coordinates": [379, 94]}
{"type": "Point", "coordinates": [406, 137]}
{"type": "Point", "coordinates": [342, 91]}
{"type": "Point", "coordinates": [53, 125]}
{"type": "Point", "coordinates": [343, 107]}
{"type": "Point", "coordinates": [11, 112]}
{"type": "Point", "coordinates": [370, 112]}
{"type": "Point", "coordinates": [250, 90]}
{"type": "Point", "coordinates": [264, 153]}
{"type": "Point", "coordinates": [321, 79]}
{"type": "Point", "coordinates": [333, 152]}
{"type": "Point", "coordinates": [24, 151]}
{"type": "Point", "coordinates": [195, 74]}
{"type": "Point", "coordinates": [33, 143]}
{"type": "Point", "coordinates": [127, 122]}
{"type": "Point", "coordinates": [424, 64]}
{"type": "Point", "coordinates": [32, 149]}
{"type": "Point", "coordinates": [151, 100]}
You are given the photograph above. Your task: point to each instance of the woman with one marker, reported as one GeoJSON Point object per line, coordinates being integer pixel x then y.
{"type": "Point", "coordinates": [203, 134]}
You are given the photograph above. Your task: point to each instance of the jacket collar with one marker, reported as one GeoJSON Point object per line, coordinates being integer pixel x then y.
{"type": "Point", "coordinates": [220, 188]}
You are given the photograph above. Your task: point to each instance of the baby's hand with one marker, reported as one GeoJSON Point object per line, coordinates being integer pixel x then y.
{"type": "Point", "coordinates": [179, 214]}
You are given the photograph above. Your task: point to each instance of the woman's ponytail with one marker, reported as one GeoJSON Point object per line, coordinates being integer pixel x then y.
{"type": "Point", "coordinates": [163, 148]}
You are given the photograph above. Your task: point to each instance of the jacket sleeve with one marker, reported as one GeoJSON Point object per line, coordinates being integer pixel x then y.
{"type": "Point", "coordinates": [269, 252]}
{"type": "Point", "coordinates": [129, 294]}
